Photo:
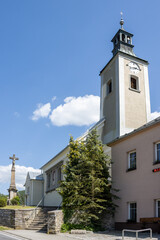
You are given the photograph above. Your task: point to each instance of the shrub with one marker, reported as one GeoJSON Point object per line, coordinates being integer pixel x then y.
{"type": "Point", "coordinates": [3, 202]}
{"type": "Point", "coordinates": [66, 227]}
{"type": "Point", "coordinates": [15, 201]}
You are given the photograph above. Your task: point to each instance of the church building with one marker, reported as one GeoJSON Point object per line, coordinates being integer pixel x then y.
{"type": "Point", "coordinates": [132, 141]}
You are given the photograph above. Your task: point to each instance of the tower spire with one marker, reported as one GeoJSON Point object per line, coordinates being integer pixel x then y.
{"type": "Point", "coordinates": [122, 21]}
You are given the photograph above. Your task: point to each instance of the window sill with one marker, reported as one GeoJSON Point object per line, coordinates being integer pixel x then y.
{"type": "Point", "coordinates": [157, 162]}
{"type": "Point", "coordinates": [130, 169]}
{"type": "Point", "coordinates": [134, 90]}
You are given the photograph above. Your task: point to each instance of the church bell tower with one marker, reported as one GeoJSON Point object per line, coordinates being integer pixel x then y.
{"type": "Point", "coordinates": [125, 98]}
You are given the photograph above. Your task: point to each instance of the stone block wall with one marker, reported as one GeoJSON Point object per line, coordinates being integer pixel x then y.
{"type": "Point", "coordinates": [55, 221]}
{"type": "Point", "coordinates": [16, 218]}
{"type": "Point", "coordinates": [7, 217]}
{"type": "Point", "coordinates": [108, 222]}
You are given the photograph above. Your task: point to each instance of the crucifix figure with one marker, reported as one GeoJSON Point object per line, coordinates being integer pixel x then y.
{"type": "Point", "coordinates": [13, 159]}
{"type": "Point", "coordinates": [12, 189]}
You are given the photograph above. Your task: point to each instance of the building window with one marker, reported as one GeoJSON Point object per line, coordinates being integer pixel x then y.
{"type": "Point", "coordinates": [132, 211]}
{"type": "Point", "coordinates": [128, 40]}
{"type": "Point", "coordinates": [48, 180]}
{"type": "Point", "coordinates": [123, 37]}
{"type": "Point", "coordinates": [59, 174]}
{"type": "Point", "coordinates": [158, 208]}
{"type": "Point", "coordinates": [132, 160]}
{"type": "Point", "coordinates": [53, 177]}
{"type": "Point", "coordinates": [134, 83]}
{"type": "Point", "coordinates": [157, 152]}
{"type": "Point", "coordinates": [109, 87]}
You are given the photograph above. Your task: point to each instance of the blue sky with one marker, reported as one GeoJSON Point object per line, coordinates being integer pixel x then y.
{"type": "Point", "coordinates": [53, 50]}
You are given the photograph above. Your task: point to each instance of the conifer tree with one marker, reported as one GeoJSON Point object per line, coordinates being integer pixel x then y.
{"type": "Point", "coordinates": [86, 190]}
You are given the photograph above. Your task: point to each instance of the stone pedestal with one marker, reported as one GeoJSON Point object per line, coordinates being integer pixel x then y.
{"type": "Point", "coordinates": [55, 221]}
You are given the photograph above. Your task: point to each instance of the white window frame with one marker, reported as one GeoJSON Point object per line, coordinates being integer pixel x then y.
{"type": "Point", "coordinates": [129, 158]}
{"type": "Point", "coordinates": [137, 83]}
{"type": "Point", "coordinates": [158, 200]}
{"type": "Point", "coordinates": [156, 160]}
{"type": "Point", "coordinates": [129, 213]}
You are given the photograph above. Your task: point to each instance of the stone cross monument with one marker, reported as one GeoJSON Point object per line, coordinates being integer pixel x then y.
{"type": "Point", "coordinates": [12, 189]}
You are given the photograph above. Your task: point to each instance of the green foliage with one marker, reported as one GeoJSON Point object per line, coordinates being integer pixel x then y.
{"type": "Point", "coordinates": [3, 202]}
{"type": "Point", "coordinates": [3, 196]}
{"type": "Point", "coordinates": [86, 190]}
{"type": "Point", "coordinates": [15, 201]}
{"type": "Point", "coordinates": [21, 195]}
{"type": "Point", "coordinates": [66, 227]}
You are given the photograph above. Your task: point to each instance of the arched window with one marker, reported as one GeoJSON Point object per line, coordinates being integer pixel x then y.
{"type": "Point", "coordinates": [128, 40]}
{"type": "Point", "coordinates": [109, 87]}
{"type": "Point", "coordinates": [123, 37]}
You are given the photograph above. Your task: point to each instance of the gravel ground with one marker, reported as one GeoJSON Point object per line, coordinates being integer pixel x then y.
{"type": "Point", "coordinates": [34, 235]}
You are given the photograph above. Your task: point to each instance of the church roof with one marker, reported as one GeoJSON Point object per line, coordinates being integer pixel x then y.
{"type": "Point", "coordinates": [137, 130]}
{"type": "Point", "coordinates": [96, 125]}
{"type": "Point", "coordinates": [35, 175]}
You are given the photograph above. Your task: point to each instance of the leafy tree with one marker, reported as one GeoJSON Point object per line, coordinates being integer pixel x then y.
{"type": "Point", "coordinates": [15, 201]}
{"type": "Point", "coordinates": [3, 196]}
{"type": "Point", "coordinates": [21, 195]}
{"type": "Point", "coordinates": [86, 190]}
{"type": "Point", "coordinates": [3, 202]}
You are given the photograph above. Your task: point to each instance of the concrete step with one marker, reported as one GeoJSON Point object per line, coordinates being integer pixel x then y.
{"type": "Point", "coordinates": [39, 222]}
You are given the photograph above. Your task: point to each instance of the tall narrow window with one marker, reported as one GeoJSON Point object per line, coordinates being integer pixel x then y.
{"type": "Point", "coordinates": [157, 152]}
{"type": "Point", "coordinates": [134, 83]}
{"type": "Point", "coordinates": [132, 207]}
{"type": "Point", "coordinates": [59, 174]}
{"type": "Point", "coordinates": [48, 180]}
{"type": "Point", "coordinates": [132, 160]}
{"type": "Point", "coordinates": [123, 37]}
{"type": "Point", "coordinates": [109, 87]}
{"type": "Point", "coordinates": [128, 40]}
{"type": "Point", "coordinates": [158, 208]}
{"type": "Point", "coordinates": [53, 177]}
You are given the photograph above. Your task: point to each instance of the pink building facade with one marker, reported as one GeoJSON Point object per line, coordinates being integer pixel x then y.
{"type": "Point", "coordinates": [136, 174]}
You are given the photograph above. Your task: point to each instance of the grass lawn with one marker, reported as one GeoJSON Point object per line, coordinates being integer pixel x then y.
{"type": "Point", "coordinates": [4, 228]}
{"type": "Point", "coordinates": [16, 207]}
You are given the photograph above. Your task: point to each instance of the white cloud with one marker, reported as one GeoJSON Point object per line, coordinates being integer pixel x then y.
{"type": "Point", "coordinates": [54, 98]}
{"type": "Point", "coordinates": [21, 173]}
{"type": "Point", "coordinates": [154, 115]}
{"type": "Point", "coordinates": [42, 111]}
{"type": "Point", "coordinates": [78, 111]}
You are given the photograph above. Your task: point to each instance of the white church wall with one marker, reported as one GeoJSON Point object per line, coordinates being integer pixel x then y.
{"type": "Point", "coordinates": [38, 194]}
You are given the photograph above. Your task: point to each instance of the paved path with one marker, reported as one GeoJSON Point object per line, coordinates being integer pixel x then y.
{"type": "Point", "coordinates": [34, 235]}
{"type": "Point", "coordinates": [4, 236]}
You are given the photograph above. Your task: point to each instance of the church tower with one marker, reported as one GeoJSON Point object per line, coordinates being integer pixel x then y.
{"type": "Point", "coordinates": [125, 98]}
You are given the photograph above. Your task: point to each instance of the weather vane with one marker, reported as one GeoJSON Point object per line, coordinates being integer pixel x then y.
{"type": "Point", "coordinates": [122, 21]}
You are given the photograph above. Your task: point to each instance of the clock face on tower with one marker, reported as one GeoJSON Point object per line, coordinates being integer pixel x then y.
{"type": "Point", "coordinates": [134, 67]}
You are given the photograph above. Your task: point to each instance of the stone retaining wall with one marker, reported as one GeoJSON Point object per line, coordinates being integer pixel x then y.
{"type": "Point", "coordinates": [17, 218]}
{"type": "Point", "coordinates": [55, 221]}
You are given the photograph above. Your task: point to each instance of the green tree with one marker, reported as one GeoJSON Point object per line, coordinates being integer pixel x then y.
{"type": "Point", "coordinates": [21, 195]}
{"type": "Point", "coordinates": [15, 201]}
{"type": "Point", "coordinates": [86, 190]}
